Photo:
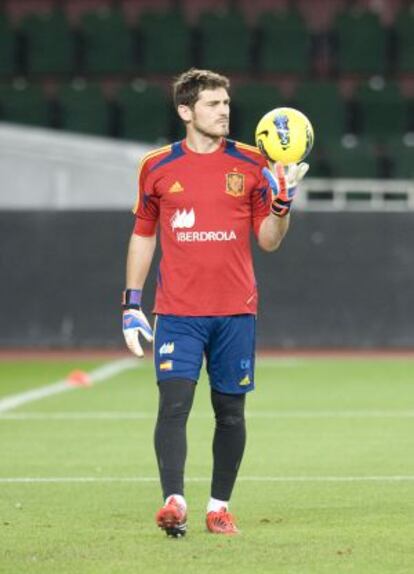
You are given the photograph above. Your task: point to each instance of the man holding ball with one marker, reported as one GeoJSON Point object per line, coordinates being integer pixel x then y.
{"type": "Point", "coordinates": [206, 193]}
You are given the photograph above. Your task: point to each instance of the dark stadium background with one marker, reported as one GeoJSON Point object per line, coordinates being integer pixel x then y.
{"type": "Point", "coordinates": [341, 280]}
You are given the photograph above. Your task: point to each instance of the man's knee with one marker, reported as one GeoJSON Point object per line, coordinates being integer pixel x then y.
{"type": "Point", "coordinates": [228, 409]}
{"type": "Point", "coordinates": [176, 398]}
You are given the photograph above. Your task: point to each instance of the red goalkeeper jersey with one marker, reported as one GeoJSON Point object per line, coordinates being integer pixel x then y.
{"type": "Point", "coordinates": [206, 205]}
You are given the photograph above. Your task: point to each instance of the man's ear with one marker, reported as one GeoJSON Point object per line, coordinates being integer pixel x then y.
{"type": "Point", "coordinates": [185, 113]}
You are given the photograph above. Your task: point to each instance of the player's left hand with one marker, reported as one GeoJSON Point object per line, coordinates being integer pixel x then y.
{"type": "Point", "coordinates": [283, 183]}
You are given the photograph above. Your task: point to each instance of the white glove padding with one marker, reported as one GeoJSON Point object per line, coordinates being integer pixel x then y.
{"type": "Point", "coordinates": [295, 172]}
{"type": "Point", "coordinates": [135, 323]}
{"type": "Point", "coordinates": [284, 180]}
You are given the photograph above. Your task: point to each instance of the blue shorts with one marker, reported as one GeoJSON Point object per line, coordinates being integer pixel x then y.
{"type": "Point", "coordinates": [228, 343]}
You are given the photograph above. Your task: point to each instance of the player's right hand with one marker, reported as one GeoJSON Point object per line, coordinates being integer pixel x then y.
{"type": "Point", "coordinates": [134, 324]}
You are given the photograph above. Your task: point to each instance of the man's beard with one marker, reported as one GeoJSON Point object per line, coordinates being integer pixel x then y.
{"type": "Point", "coordinates": [211, 134]}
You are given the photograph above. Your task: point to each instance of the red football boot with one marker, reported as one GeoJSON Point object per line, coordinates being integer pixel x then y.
{"type": "Point", "coordinates": [172, 518]}
{"type": "Point", "coordinates": [221, 522]}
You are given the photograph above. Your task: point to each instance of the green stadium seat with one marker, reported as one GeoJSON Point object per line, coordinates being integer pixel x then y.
{"type": "Point", "coordinates": [50, 43]}
{"type": "Point", "coordinates": [145, 112]}
{"type": "Point", "coordinates": [401, 151]}
{"type": "Point", "coordinates": [108, 42]}
{"type": "Point", "coordinates": [352, 157]}
{"type": "Point", "coordinates": [225, 41]}
{"type": "Point", "coordinates": [7, 46]}
{"type": "Point", "coordinates": [249, 103]}
{"type": "Point", "coordinates": [318, 160]}
{"type": "Point", "coordinates": [404, 30]}
{"type": "Point", "coordinates": [284, 42]}
{"type": "Point", "coordinates": [165, 42]}
{"type": "Point", "coordinates": [382, 108]}
{"type": "Point", "coordinates": [323, 104]}
{"type": "Point", "coordinates": [23, 103]}
{"type": "Point", "coordinates": [362, 43]}
{"type": "Point", "coordinates": [83, 108]}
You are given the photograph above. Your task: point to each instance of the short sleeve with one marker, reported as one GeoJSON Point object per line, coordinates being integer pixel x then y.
{"type": "Point", "coordinates": [261, 200]}
{"type": "Point", "coordinates": [146, 208]}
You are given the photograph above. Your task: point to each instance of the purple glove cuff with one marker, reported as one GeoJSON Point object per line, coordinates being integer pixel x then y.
{"type": "Point", "coordinates": [131, 298]}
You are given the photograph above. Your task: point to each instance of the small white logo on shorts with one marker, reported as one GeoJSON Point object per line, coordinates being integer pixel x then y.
{"type": "Point", "coordinates": [167, 349]}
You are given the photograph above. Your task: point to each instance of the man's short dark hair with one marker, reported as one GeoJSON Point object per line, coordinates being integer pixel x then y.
{"type": "Point", "coordinates": [188, 85]}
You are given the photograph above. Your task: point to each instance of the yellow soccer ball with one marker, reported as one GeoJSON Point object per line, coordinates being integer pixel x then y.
{"type": "Point", "coordinates": [285, 135]}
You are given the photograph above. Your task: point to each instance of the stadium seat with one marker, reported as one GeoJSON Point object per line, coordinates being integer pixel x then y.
{"type": "Point", "coordinates": [108, 42]}
{"type": "Point", "coordinates": [7, 46]}
{"type": "Point", "coordinates": [50, 43]}
{"type": "Point", "coordinates": [145, 112]}
{"type": "Point", "coordinates": [165, 42]}
{"type": "Point", "coordinates": [319, 163]}
{"type": "Point", "coordinates": [284, 42]}
{"type": "Point", "coordinates": [361, 42]}
{"type": "Point", "coordinates": [404, 30]}
{"type": "Point", "coordinates": [23, 103]}
{"type": "Point", "coordinates": [83, 108]}
{"type": "Point", "coordinates": [249, 103]}
{"type": "Point", "coordinates": [225, 41]}
{"type": "Point", "coordinates": [352, 157]}
{"type": "Point", "coordinates": [383, 111]}
{"type": "Point", "coordinates": [323, 104]}
{"type": "Point", "coordinates": [401, 151]}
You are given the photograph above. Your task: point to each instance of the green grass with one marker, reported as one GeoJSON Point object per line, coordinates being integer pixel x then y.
{"type": "Point", "coordinates": [309, 419]}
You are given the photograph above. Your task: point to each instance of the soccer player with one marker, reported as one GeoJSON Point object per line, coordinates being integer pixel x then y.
{"type": "Point", "coordinates": [206, 193]}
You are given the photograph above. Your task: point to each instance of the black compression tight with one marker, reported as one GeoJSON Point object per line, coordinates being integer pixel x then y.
{"type": "Point", "coordinates": [228, 443]}
{"type": "Point", "coordinates": [170, 439]}
{"type": "Point", "coordinates": [175, 402]}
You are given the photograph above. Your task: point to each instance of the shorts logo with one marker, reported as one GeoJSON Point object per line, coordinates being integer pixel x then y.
{"type": "Point", "coordinates": [245, 381]}
{"type": "Point", "coordinates": [166, 366]}
{"type": "Point", "coordinates": [235, 184]}
{"type": "Point", "coordinates": [183, 219]}
{"type": "Point", "coordinates": [245, 364]}
{"type": "Point", "coordinates": [167, 349]}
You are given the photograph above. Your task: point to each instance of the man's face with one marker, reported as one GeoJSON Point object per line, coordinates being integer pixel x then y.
{"type": "Point", "coordinates": [211, 113]}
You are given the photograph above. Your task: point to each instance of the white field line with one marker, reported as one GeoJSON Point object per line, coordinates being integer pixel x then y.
{"type": "Point", "coordinates": [153, 479]}
{"type": "Point", "coordinates": [96, 376]}
{"type": "Point", "coordinates": [136, 415]}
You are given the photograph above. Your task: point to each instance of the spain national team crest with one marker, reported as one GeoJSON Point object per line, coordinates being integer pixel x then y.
{"type": "Point", "coordinates": [235, 183]}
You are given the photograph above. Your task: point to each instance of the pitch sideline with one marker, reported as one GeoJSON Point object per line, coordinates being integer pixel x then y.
{"type": "Point", "coordinates": [96, 376]}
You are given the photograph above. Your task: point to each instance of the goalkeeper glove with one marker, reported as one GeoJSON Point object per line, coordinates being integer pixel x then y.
{"type": "Point", "coordinates": [134, 322]}
{"type": "Point", "coordinates": [283, 184]}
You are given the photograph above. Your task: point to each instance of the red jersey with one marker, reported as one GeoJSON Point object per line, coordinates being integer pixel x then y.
{"type": "Point", "coordinates": [206, 205]}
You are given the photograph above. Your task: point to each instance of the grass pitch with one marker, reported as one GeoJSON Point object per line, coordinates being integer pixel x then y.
{"type": "Point", "coordinates": [326, 485]}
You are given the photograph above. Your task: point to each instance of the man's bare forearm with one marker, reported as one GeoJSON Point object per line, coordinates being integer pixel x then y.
{"type": "Point", "coordinates": [140, 255]}
{"type": "Point", "coordinates": [272, 231]}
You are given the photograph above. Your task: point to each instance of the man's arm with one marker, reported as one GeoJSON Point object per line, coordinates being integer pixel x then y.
{"type": "Point", "coordinates": [140, 255]}
{"type": "Point", "coordinates": [272, 231]}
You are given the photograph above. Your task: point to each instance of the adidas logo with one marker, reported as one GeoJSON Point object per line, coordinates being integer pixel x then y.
{"type": "Point", "coordinates": [245, 381]}
{"type": "Point", "coordinates": [176, 187]}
